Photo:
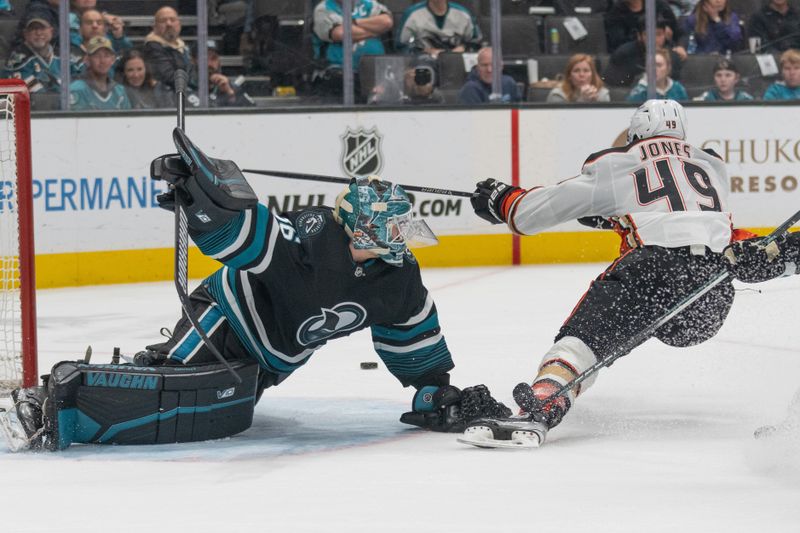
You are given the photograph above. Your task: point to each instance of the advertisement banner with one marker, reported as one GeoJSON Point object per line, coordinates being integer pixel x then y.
{"type": "Point", "coordinates": [95, 204]}
{"type": "Point", "coordinates": [760, 146]}
{"type": "Point", "coordinates": [92, 190]}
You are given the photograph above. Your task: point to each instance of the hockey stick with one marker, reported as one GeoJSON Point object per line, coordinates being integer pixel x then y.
{"type": "Point", "coordinates": [523, 393]}
{"type": "Point", "coordinates": [182, 242]}
{"type": "Point", "coordinates": [332, 179]}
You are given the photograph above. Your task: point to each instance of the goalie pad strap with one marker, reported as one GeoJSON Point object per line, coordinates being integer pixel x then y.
{"type": "Point", "coordinates": [124, 404]}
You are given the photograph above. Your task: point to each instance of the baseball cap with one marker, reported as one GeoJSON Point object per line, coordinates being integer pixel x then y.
{"type": "Point", "coordinates": [726, 64]}
{"type": "Point", "coordinates": [211, 46]}
{"type": "Point", "coordinates": [98, 42]}
{"type": "Point", "coordinates": [41, 16]}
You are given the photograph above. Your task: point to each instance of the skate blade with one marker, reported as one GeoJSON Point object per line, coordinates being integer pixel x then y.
{"type": "Point", "coordinates": [14, 436]}
{"type": "Point", "coordinates": [483, 437]}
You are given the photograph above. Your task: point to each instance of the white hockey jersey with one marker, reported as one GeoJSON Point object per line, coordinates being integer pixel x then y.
{"type": "Point", "coordinates": [663, 191]}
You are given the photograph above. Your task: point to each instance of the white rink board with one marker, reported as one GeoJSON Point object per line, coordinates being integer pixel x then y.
{"type": "Point", "coordinates": [93, 194]}
{"type": "Point", "coordinates": [761, 145]}
{"type": "Point", "coordinates": [438, 149]}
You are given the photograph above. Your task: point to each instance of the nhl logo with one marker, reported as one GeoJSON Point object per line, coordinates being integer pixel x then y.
{"type": "Point", "coordinates": [361, 152]}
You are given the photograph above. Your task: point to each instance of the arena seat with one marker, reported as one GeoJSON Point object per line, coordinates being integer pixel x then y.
{"type": "Point", "coordinates": [520, 35]}
{"type": "Point", "coordinates": [586, 7]}
{"type": "Point", "coordinates": [752, 80]}
{"type": "Point", "coordinates": [551, 66]}
{"type": "Point", "coordinates": [137, 7]}
{"type": "Point", "coordinates": [373, 69]}
{"type": "Point", "coordinates": [619, 94]}
{"type": "Point", "coordinates": [531, 7]}
{"type": "Point", "coordinates": [697, 73]}
{"type": "Point", "coordinates": [593, 43]}
{"type": "Point", "coordinates": [280, 8]}
{"type": "Point", "coordinates": [8, 30]}
{"type": "Point", "coordinates": [509, 7]}
{"type": "Point", "coordinates": [398, 6]}
{"type": "Point", "coordinates": [745, 8]}
{"type": "Point", "coordinates": [452, 75]}
{"type": "Point", "coordinates": [538, 94]}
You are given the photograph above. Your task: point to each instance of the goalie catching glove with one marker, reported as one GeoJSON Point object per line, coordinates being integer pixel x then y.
{"type": "Point", "coordinates": [752, 262]}
{"type": "Point", "coordinates": [212, 191]}
{"type": "Point", "coordinates": [449, 409]}
{"type": "Point", "coordinates": [492, 200]}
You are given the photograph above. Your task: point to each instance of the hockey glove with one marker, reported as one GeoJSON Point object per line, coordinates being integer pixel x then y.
{"type": "Point", "coordinates": [492, 199]}
{"type": "Point", "coordinates": [541, 401]}
{"type": "Point", "coordinates": [752, 262]}
{"type": "Point", "coordinates": [173, 170]}
{"type": "Point", "coordinates": [212, 191]}
{"type": "Point", "coordinates": [149, 358]}
{"type": "Point", "coordinates": [450, 409]}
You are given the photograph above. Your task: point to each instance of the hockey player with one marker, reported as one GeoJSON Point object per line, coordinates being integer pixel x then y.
{"type": "Point", "coordinates": [668, 200]}
{"type": "Point", "coordinates": [289, 284]}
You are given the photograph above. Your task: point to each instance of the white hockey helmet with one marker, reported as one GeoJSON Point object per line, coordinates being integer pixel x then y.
{"type": "Point", "coordinates": [658, 117]}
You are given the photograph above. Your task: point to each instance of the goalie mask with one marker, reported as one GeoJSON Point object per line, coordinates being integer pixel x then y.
{"type": "Point", "coordinates": [658, 117]}
{"type": "Point", "coordinates": [378, 216]}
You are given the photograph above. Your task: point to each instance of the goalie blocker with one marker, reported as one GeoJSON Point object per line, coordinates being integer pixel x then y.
{"type": "Point", "coordinates": [125, 404]}
{"type": "Point", "coordinates": [213, 191]}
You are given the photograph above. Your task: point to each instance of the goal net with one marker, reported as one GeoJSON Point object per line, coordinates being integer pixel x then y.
{"type": "Point", "coordinates": [17, 286]}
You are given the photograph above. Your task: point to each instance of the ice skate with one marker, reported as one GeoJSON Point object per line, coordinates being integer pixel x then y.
{"type": "Point", "coordinates": [526, 430]}
{"type": "Point", "coordinates": [23, 427]}
{"type": "Point", "coordinates": [521, 431]}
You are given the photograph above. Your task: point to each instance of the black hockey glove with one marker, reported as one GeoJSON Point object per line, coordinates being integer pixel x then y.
{"type": "Point", "coordinates": [212, 191]}
{"type": "Point", "coordinates": [487, 200]}
{"type": "Point", "coordinates": [752, 262]}
{"type": "Point", "coordinates": [450, 409]}
{"type": "Point", "coordinates": [173, 170]}
{"type": "Point", "coordinates": [149, 358]}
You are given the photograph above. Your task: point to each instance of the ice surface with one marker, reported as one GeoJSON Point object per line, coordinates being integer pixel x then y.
{"type": "Point", "coordinates": [661, 443]}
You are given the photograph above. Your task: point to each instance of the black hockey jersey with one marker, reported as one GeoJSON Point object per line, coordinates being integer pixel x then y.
{"type": "Point", "coordinates": [290, 284]}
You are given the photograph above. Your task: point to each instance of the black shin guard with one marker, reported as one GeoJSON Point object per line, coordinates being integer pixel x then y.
{"type": "Point", "coordinates": [124, 404]}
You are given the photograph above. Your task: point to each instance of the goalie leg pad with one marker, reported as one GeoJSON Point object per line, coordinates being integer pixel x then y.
{"type": "Point", "coordinates": [124, 404]}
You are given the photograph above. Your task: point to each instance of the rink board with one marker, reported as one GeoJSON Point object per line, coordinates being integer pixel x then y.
{"type": "Point", "coordinates": [97, 220]}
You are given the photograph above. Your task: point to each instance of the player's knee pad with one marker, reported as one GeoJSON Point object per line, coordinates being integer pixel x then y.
{"type": "Point", "coordinates": [125, 404]}
{"type": "Point", "coordinates": [565, 360]}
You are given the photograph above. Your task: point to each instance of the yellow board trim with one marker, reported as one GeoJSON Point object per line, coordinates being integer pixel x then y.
{"type": "Point", "coordinates": [133, 266]}
{"type": "Point", "coordinates": [120, 266]}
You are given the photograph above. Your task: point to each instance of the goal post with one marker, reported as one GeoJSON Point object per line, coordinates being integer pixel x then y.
{"type": "Point", "coordinates": [18, 355]}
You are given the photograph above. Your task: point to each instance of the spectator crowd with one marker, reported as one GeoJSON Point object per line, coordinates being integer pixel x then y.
{"type": "Point", "coordinates": [407, 53]}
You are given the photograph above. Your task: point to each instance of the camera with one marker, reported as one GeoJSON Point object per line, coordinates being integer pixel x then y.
{"type": "Point", "coordinates": [423, 76]}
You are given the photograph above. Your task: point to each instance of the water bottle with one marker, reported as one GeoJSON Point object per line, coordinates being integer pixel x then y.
{"type": "Point", "coordinates": [691, 48]}
{"type": "Point", "coordinates": [554, 40]}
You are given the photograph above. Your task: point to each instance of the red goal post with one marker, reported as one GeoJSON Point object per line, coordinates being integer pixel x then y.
{"type": "Point", "coordinates": [18, 355]}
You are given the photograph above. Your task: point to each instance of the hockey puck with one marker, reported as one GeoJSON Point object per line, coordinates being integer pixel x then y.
{"type": "Point", "coordinates": [369, 365]}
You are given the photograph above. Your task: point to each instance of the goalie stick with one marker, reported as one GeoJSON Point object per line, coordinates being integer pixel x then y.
{"type": "Point", "coordinates": [525, 432]}
{"type": "Point", "coordinates": [333, 179]}
{"type": "Point", "coordinates": [182, 242]}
